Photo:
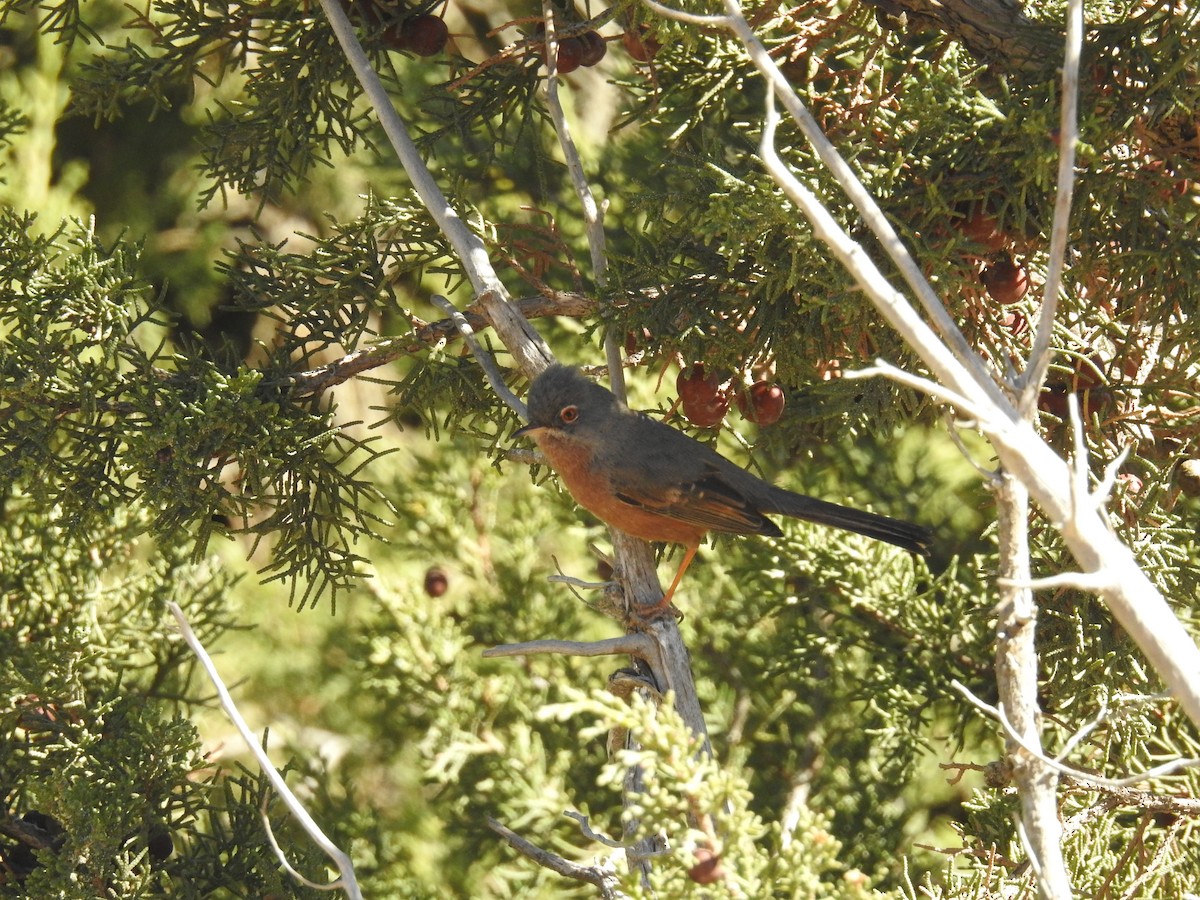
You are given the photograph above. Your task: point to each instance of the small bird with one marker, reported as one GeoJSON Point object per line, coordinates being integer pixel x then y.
{"type": "Point", "coordinates": [656, 483]}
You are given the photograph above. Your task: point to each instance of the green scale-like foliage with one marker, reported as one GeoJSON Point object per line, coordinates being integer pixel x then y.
{"type": "Point", "coordinates": [100, 414]}
{"type": "Point", "coordinates": [133, 432]}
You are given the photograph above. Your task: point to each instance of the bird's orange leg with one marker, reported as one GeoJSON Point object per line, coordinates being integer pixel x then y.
{"type": "Point", "coordinates": [687, 561]}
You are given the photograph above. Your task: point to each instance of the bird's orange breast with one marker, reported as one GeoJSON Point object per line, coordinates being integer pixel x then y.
{"type": "Point", "coordinates": [593, 491]}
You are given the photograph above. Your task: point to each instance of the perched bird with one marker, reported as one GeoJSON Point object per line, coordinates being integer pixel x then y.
{"type": "Point", "coordinates": [656, 483]}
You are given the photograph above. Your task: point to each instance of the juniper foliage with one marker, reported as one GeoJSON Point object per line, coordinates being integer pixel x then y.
{"type": "Point", "coordinates": [181, 302]}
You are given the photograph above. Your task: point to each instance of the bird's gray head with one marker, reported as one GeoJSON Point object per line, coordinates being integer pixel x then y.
{"type": "Point", "coordinates": [561, 399]}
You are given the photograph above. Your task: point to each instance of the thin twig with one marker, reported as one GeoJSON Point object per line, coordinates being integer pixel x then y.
{"type": "Point", "coordinates": [989, 475]}
{"type": "Point", "coordinates": [426, 334]}
{"type": "Point", "coordinates": [1147, 801]}
{"type": "Point", "coordinates": [605, 879]}
{"type": "Point", "coordinates": [485, 359]}
{"type": "Point", "coordinates": [633, 644]}
{"type": "Point", "coordinates": [1068, 132]}
{"type": "Point", "coordinates": [1084, 581]}
{"type": "Point", "coordinates": [1112, 783]}
{"type": "Point", "coordinates": [1083, 731]}
{"type": "Point", "coordinates": [613, 354]}
{"type": "Point", "coordinates": [1109, 480]}
{"type": "Point", "coordinates": [593, 212]}
{"type": "Point", "coordinates": [282, 857]}
{"type": "Point", "coordinates": [1080, 474]}
{"type": "Point", "coordinates": [917, 383]}
{"type": "Point", "coordinates": [582, 583]}
{"type": "Point", "coordinates": [585, 829]}
{"type": "Point", "coordinates": [525, 457]}
{"type": "Point", "coordinates": [347, 882]}
{"type": "Point", "coordinates": [1031, 856]}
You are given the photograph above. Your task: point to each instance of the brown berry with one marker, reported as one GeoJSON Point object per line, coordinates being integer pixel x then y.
{"type": "Point", "coordinates": [1006, 282]}
{"type": "Point", "coordinates": [424, 35]}
{"type": "Point", "coordinates": [640, 44]}
{"type": "Point", "coordinates": [569, 56]}
{"type": "Point", "coordinates": [1089, 373]}
{"type": "Point", "coordinates": [594, 48]}
{"type": "Point", "coordinates": [762, 404]}
{"type": "Point", "coordinates": [436, 581]}
{"type": "Point", "coordinates": [703, 399]}
{"type": "Point", "coordinates": [981, 227]}
{"type": "Point", "coordinates": [1055, 399]}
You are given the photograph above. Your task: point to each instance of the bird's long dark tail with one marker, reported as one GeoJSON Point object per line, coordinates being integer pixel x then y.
{"type": "Point", "coordinates": [895, 531]}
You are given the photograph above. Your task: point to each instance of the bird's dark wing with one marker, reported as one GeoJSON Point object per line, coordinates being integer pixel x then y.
{"type": "Point", "coordinates": [681, 479]}
{"type": "Point", "coordinates": [707, 502]}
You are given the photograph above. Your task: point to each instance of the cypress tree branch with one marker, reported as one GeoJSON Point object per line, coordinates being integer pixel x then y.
{"type": "Point", "coordinates": [889, 301]}
{"type": "Point", "coordinates": [634, 557]}
{"type": "Point", "coordinates": [1017, 682]}
{"type": "Point", "coordinates": [993, 30]}
{"type": "Point", "coordinates": [1113, 796]}
{"type": "Point", "coordinates": [998, 713]}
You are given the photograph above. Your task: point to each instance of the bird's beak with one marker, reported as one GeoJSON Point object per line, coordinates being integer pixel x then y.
{"type": "Point", "coordinates": [527, 430]}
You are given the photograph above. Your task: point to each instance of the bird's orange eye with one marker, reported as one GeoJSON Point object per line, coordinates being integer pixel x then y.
{"type": "Point", "coordinates": [569, 414]}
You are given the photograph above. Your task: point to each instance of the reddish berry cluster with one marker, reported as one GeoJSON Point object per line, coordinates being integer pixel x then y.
{"type": "Point", "coordinates": [426, 34]}
{"type": "Point", "coordinates": [705, 398]}
{"type": "Point", "coordinates": [575, 51]}
{"type": "Point", "coordinates": [1006, 281]}
{"type": "Point", "coordinates": [585, 50]}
